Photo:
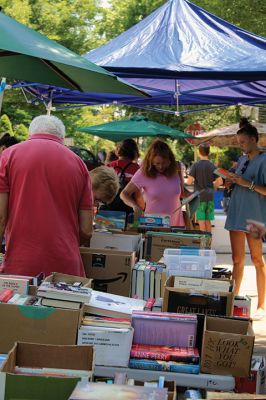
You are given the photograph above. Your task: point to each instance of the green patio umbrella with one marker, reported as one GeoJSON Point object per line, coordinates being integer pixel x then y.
{"type": "Point", "coordinates": [134, 127]}
{"type": "Point", "coordinates": [28, 55]}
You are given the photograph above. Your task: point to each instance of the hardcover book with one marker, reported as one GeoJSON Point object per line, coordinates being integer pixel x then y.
{"type": "Point", "coordinates": [73, 305]}
{"type": "Point", "coordinates": [165, 353]}
{"type": "Point", "coordinates": [169, 329]}
{"type": "Point", "coordinates": [158, 365]}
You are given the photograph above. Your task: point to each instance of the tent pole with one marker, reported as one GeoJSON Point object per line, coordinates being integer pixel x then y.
{"type": "Point", "coordinates": [177, 93]}
{"type": "Point", "coordinates": [2, 89]}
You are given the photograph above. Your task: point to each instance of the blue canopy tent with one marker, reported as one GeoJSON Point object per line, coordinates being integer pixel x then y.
{"type": "Point", "coordinates": [180, 54]}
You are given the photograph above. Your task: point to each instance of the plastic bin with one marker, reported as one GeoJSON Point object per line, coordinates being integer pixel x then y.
{"type": "Point", "coordinates": [197, 263]}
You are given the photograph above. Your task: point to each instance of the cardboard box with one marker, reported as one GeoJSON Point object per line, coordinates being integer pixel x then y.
{"type": "Point", "coordinates": [23, 386]}
{"type": "Point", "coordinates": [256, 381]}
{"type": "Point", "coordinates": [112, 346]}
{"type": "Point", "coordinates": [56, 277]}
{"type": "Point", "coordinates": [126, 241]}
{"type": "Point", "coordinates": [109, 269]}
{"type": "Point", "coordinates": [227, 346]}
{"type": "Point", "coordinates": [196, 301]}
{"type": "Point", "coordinates": [156, 243]}
{"type": "Point", "coordinates": [38, 325]}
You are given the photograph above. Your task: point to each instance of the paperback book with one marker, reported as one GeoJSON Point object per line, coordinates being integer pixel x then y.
{"type": "Point", "coordinates": [165, 353]}
{"type": "Point", "coordinates": [223, 173]}
{"type": "Point", "coordinates": [111, 305]}
{"type": "Point", "coordinates": [65, 291]}
{"type": "Point", "coordinates": [105, 219]}
{"type": "Point", "coordinates": [158, 365]}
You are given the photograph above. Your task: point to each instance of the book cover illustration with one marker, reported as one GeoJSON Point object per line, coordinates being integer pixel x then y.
{"type": "Point", "coordinates": [105, 219]}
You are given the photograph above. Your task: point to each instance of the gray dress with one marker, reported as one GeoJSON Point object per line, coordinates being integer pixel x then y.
{"type": "Point", "coordinates": [245, 204]}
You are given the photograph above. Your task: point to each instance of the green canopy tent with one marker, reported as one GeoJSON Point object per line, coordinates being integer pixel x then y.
{"type": "Point", "coordinates": [28, 55]}
{"type": "Point", "coordinates": [136, 126]}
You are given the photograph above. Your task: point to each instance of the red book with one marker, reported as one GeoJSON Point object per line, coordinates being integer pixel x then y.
{"type": "Point", "coordinates": [149, 304]}
{"type": "Point", "coordinates": [166, 353]}
{"type": "Point", "coordinates": [6, 295]}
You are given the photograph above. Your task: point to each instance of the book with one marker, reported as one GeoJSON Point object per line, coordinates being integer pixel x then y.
{"type": "Point", "coordinates": [64, 291]}
{"type": "Point", "coordinates": [159, 365]}
{"type": "Point", "coordinates": [106, 321]}
{"type": "Point", "coordinates": [112, 305]}
{"type": "Point", "coordinates": [5, 295]}
{"type": "Point", "coordinates": [33, 280]}
{"type": "Point", "coordinates": [166, 353]}
{"type": "Point", "coordinates": [18, 285]}
{"type": "Point", "coordinates": [164, 329]}
{"type": "Point", "coordinates": [106, 219]}
{"type": "Point", "coordinates": [186, 282]}
{"type": "Point", "coordinates": [158, 304]}
{"type": "Point", "coordinates": [149, 304]}
{"type": "Point", "coordinates": [23, 299]}
{"type": "Point", "coordinates": [73, 305]}
{"type": "Point", "coordinates": [223, 173]}
{"type": "Point", "coordinates": [102, 391]}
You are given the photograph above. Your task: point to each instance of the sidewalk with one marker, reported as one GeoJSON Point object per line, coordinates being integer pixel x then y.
{"type": "Point", "coordinates": [249, 288]}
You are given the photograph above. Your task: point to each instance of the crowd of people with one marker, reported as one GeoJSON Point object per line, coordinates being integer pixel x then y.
{"type": "Point", "coordinates": [47, 197]}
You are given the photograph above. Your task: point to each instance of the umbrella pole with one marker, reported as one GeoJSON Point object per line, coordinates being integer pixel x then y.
{"type": "Point", "coordinates": [2, 88]}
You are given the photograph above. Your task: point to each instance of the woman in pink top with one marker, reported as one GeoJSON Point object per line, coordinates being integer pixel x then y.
{"type": "Point", "coordinates": [160, 181]}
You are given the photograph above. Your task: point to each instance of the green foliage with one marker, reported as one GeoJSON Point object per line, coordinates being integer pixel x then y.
{"type": "Point", "coordinates": [82, 25]}
{"type": "Point", "coordinates": [21, 132]}
{"type": "Point", "coordinates": [6, 125]}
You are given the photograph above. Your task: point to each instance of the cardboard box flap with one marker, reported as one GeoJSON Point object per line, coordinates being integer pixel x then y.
{"type": "Point", "coordinates": [59, 277]}
{"type": "Point", "coordinates": [50, 356]}
{"type": "Point", "coordinates": [227, 325]}
{"type": "Point", "coordinates": [88, 250]}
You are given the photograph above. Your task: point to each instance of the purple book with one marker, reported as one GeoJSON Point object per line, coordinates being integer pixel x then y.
{"type": "Point", "coordinates": [177, 330]}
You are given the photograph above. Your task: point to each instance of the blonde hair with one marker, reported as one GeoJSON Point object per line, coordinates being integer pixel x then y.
{"type": "Point", "coordinates": [106, 181]}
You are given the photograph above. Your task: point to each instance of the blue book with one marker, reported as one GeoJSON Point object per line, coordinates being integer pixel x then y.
{"type": "Point", "coordinates": [158, 365]}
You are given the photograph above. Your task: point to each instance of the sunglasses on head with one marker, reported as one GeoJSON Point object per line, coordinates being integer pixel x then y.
{"type": "Point", "coordinates": [244, 168]}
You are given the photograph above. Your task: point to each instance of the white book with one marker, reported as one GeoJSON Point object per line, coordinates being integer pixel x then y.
{"type": "Point", "coordinates": [112, 305]}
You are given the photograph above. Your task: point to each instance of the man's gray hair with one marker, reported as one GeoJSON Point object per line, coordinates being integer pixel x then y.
{"type": "Point", "coordinates": [47, 124]}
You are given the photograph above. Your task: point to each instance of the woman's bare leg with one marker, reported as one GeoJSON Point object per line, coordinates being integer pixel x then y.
{"type": "Point", "coordinates": [237, 239]}
{"type": "Point", "coordinates": [255, 248]}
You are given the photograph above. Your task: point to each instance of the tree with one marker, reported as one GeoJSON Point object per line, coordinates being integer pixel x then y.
{"type": "Point", "coordinates": [6, 125]}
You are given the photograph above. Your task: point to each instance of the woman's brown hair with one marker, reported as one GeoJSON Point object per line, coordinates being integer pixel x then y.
{"type": "Point", "coordinates": [159, 148]}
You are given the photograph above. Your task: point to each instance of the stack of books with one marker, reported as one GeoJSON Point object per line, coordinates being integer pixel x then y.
{"type": "Point", "coordinates": [63, 295]}
{"type": "Point", "coordinates": [164, 342]}
{"type": "Point", "coordinates": [111, 337]}
{"type": "Point", "coordinates": [147, 279]}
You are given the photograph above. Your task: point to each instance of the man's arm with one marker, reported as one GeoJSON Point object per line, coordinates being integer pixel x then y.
{"type": "Point", "coordinates": [85, 227]}
{"type": "Point", "coordinates": [3, 213]}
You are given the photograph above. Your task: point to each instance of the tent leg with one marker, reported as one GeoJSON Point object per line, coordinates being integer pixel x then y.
{"type": "Point", "coordinates": [2, 89]}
